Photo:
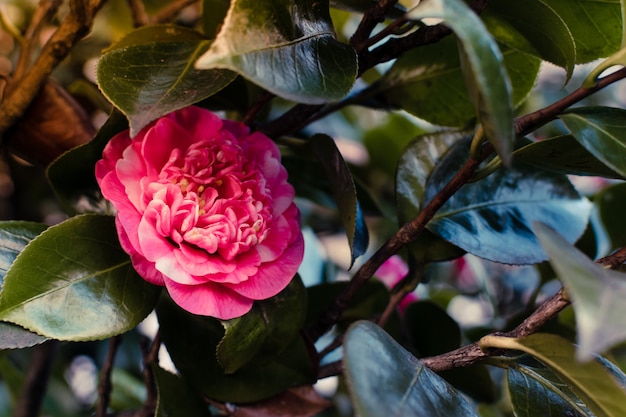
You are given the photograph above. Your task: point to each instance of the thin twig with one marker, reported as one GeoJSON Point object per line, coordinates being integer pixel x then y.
{"type": "Point", "coordinates": [105, 386]}
{"type": "Point", "coordinates": [373, 16]}
{"type": "Point", "coordinates": [54, 51]}
{"type": "Point", "coordinates": [36, 380]}
{"type": "Point", "coordinates": [260, 102]}
{"type": "Point", "coordinates": [150, 357]}
{"type": "Point", "coordinates": [138, 12]}
{"type": "Point", "coordinates": [169, 12]}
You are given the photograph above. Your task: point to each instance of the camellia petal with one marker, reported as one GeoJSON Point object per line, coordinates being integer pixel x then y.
{"type": "Point", "coordinates": [205, 209]}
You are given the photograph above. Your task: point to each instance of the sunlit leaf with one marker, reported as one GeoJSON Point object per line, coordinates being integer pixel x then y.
{"type": "Point", "coordinates": [566, 155]}
{"type": "Point", "coordinates": [595, 25]}
{"type": "Point", "coordinates": [602, 131]}
{"type": "Point", "coordinates": [483, 69]}
{"type": "Point", "coordinates": [150, 73]}
{"type": "Point", "coordinates": [265, 331]}
{"type": "Point", "coordinates": [385, 379]}
{"type": "Point", "coordinates": [590, 381]}
{"type": "Point", "coordinates": [287, 47]}
{"type": "Point", "coordinates": [74, 282]}
{"type": "Point", "coordinates": [597, 294]}
{"type": "Point", "coordinates": [344, 192]}
{"type": "Point", "coordinates": [543, 32]}
{"type": "Point", "coordinates": [415, 166]}
{"type": "Point", "coordinates": [492, 218]}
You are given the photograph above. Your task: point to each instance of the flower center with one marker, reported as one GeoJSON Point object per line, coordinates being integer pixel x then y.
{"type": "Point", "coordinates": [216, 199]}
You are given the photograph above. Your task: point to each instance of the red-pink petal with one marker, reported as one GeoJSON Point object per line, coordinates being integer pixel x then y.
{"type": "Point", "coordinates": [209, 299]}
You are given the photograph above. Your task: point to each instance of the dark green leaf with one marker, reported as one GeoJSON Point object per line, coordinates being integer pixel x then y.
{"type": "Point", "coordinates": [536, 391]}
{"type": "Point", "coordinates": [213, 14]}
{"type": "Point", "coordinates": [344, 193]}
{"type": "Point", "coordinates": [492, 218]}
{"type": "Point", "coordinates": [198, 365]}
{"type": "Point", "coordinates": [483, 70]}
{"type": "Point", "coordinates": [129, 391]}
{"type": "Point", "coordinates": [14, 236]}
{"type": "Point", "coordinates": [414, 168]}
{"type": "Point", "coordinates": [564, 154]}
{"type": "Point", "coordinates": [590, 381]}
{"type": "Point", "coordinates": [176, 398]}
{"type": "Point", "coordinates": [432, 330]}
{"type": "Point", "coordinates": [611, 206]}
{"type": "Point", "coordinates": [149, 73]}
{"type": "Point", "coordinates": [597, 294]}
{"type": "Point", "coordinates": [288, 47]}
{"type": "Point", "coordinates": [595, 25]}
{"type": "Point", "coordinates": [532, 27]}
{"type": "Point", "coordinates": [602, 131]}
{"type": "Point", "coordinates": [74, 282]}
{"type": "Point", "coordinates": [385, 379]}
{"type": "Point", "coordinates": [263, 333]}
{"type": "Point", "coordinates": [72, 175]}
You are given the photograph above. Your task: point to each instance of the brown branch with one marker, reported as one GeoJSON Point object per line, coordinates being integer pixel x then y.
{"type": "Point", "coordinates": [138, 13]}
{"type": "Point", "coordinates": [36, 380]}
{"type": "Point", "coordinates": [150, 355]}
{"type": "Point", "coordinates": [373, 16]}
{"type": "Point", "coordinates": [104, 385]}
{"type": "Point", "coordinates": [71, 30]}
{"type": "Point", "coordinates": [169, 12]}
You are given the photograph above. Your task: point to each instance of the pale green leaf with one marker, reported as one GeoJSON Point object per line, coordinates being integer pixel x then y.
{"type": "Point", "coordinates": [287, 47]}
{"type": "Point", "coordinates": [590, 381]}
{"type": "Point", "coordinates": [597, 294]}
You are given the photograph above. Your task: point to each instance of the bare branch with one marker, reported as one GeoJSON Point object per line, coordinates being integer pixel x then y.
{"type": "Point", "coordinates": [104, 386]}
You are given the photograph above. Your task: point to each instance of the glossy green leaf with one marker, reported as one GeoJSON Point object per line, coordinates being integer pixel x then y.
{"type": "Point", "coordinates": [14, 236]}
{"type": "Point", "coordinates": [483, 70]}
{"type": "Point", "coordinates": [385, 379]}
{"type": "Point", "coordinates": [265, 331]}
{"type": "Point", "coordinates": [74, 282]}
{"type": "Point", "coordinates": [564, 154]}
{"type": "Point", "coordinates": [150, 73]}
{"type": "Point", "coordinates": [288, 47]}
{"type": "Point", "coordinates": [590, 381]}
{"type": "Point", "coordinates": [415, 166]}
{"type": "Point", "coordinates": [343, 191]}
{"type": "Point", "coordinates": [536, 391]}
{"type": "Point", "coordinates": [198, 365]}
{"type": "Point", "coordinates": [176, 397]}
{"type": "Point", "coordinates": [597, 294]}
{"type": "Point", "coordinates": [492, 218]}
{"type": "Point", "coordinates": [532, 27]}
{"type": "Point", "coordinates": [595, 25]}
{"type": "Point", "coordinates": [602, 131]}
{"type": "Point", "coordinates": [73, 176]}
{"type": "Point", "coordinates": [611, 206]}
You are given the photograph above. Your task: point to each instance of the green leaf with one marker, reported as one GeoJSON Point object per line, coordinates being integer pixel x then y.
{"type": "Point", "coordinates": [611, 206]}
{"type": "Point", "coordinates": [344, 192]}
{"type": "Point", "coordinates": [149, 73]}
{"type": "Point", "coordinates": [213, 15]}
{"type": "Point", "coordinates": [176, 398]}
{"type": "Point", "coordinates": [288, 47]}
{"type": "Point", "coordinates": [536, 391]}
{"type": "Point", "coordinates": [542, 31]}
{"type": "Point", "coordinates": [595, 25]}
{"type": "Point", "coordinates": [483, 68]}
{"type": "Point", "coordinates": [15, 337]}
{"type": "Point", "coordinates": [432, 330]}
{"type": "Point", "coordinates": [265, 331]}
{"type": "Point", "coordinates": [74, 282]}
{"type": "Point", "coordinates": [564, 154]}
{"type": "Point", "coordinates": [415, 166]}
{"type": "Point", "coordinates": [597, 294]}
{"type": "Point", "coordinates": [72, 175]}
{"type": "Point", "coordinates": [492, 218]}
{"type": "Point", "coordinates": [590, 381]}
{"type": "Point", "coordinates": [129, 391]}
{"type": "Point", "coordinates": [385, 379]}
{"type": "Point", "coordinates": [198, 365]}
{"type": "Point", "coordinates": [601, 130]}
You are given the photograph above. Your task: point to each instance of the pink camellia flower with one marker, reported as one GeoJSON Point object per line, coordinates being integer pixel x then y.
{"type": "Point", "coordinates": [204, 208]}
{"type": "Point", "coordinates": [391, 272]}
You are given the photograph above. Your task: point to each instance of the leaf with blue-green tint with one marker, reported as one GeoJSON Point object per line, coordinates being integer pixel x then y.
{"type": "Point", "coordinates": [493, 218]}
{"type": "Point", "coordinates": [385, 379]}
{"type": "Point", "coordinates": [288, 47]}
{"type": "Point", "coordinates": [74, 282]}
{"type": "Point", "coordinates": [150, 73]}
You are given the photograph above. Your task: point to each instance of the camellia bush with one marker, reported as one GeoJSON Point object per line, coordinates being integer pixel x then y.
{"type": "Point", "coordinates": [312, 208]}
